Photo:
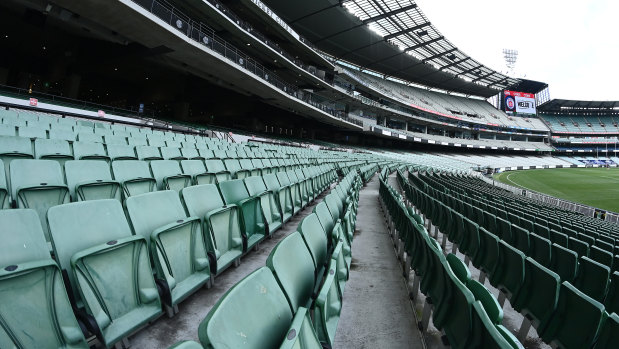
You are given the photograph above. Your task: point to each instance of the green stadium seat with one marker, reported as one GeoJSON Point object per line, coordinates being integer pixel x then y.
{"type": "Point", "coordinates": [176, 241]}
{"type": "Point", "coordinates": [191, 154]}
{"type": "Point", "coordinates": [155, 141]}
{"type": "Point", "coordinates": [7, 130]}
{"type": "Point", "coordinates": [521, 239]}
{"type": "Point", "coordinates": [235, 169]}
{"type": "Point", "coordinates": [89, 151]}
{"type": "Point", "coordinates": [62, 134]}
{"type": "Point", "coordinates": [578, 246]}
{"type": "Point", "coordinates": [247, 165]}
{"type": "Point", "coordinates": [541, 249]}
{"type": "Point", "coordinates": [91, 180]}
{"type": "Point", "coordinates": [268, 202]}
{"type": "Point", "coordinates": [107, 267]}
{"type": "Point", "coordinates": [148, 153]}
{"type": "Point", "coordinates": [592, 278]}
{"type": "Point", "coordinates": [509, 273]}
{"type": "Point", "coordinates": [302, 185]}
{"type": "Point", "coordinates": [558, 238]}
{"type": "Point", "coordinates": [53, 149]}
{"type": "Point", "coordinates": [121, 152]}
{"type": "Point", "coordinates": [169, 175]}
{"type": "Point", "coordinates": [576, 321]}
{"type": "Point", "coordinates": [221, 224]}
{"type": "Point", "coordinates": [539, 294]}
{"type": "Point", "coordinates": [485, 333]}
{"type": "Point", "coordinates": [85, 137]}
{"type": "Point", "coordinates": [114, 140]}
{"type": "Point", "coordinates": [137, 141]}
{"type": "Point", "coordinates": [339, 264]}
{"type": "Point", "coordinates": [460, 270]}
{"type": "Point", "coordinates": [327, 309]}
{"type": "Point", "coordinates": [609, 333]}
{"type": "Point", "coordinates": [32, 132]}
{"type": "Point", "coordinates": [458, 325]}
{"type": "Point", "coordinates": [612, 297]}
{"type": "Point", "coordinates": [564, 262]}
{"type": "Point", "coordinates": [488, 255]}
{"type": "Point", "coordinates": [39, 185]}
{"type": "Point", "coordinates": [14, 148]}
{"type": "Point", "coordinates": [316, 241]}
{"type": "Point", "coordinates": [134, 177]}
{"type": "Point", "coordinates": [293, 267]}
{"type": "Point", "coordinates": [34, 307]}
{"type": "Point", "coordinates": [217, 167]}
{"type": "Point", "coordinates": [252, 217]}
{"type": "Point", "coordinates": [601, 256]}
{"type": "Point", "coordinates": [197, 171]}
{"type": "Point", "coordinates": [295, 190]}
{"type": "Point", "coordinates": [171, 153]}
{"type": "Point", "coordinates": [266, 320]}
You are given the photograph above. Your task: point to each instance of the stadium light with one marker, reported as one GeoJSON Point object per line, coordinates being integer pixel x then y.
{"type": "Point", "coordinates": [510, 56]}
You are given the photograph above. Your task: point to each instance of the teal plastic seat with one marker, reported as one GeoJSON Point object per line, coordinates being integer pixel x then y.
{"type": "Point", "coordinates": [169, 175]}
{"type": "Point", "coordinates": [171, 153]}
{"type": "Point", "coordinates": [267, 321]}
{"type": "Point", "coordinates": [284, 195]}
{"type": "Point", "coordinates": [237, 172]}
{"type": "Point", "coordinates": [254, 223]}
{"type": "Point", "coordinates": [217, 168]}
{"type": "Point", "coordinates": [39, 185]}
{"type": "Point", "coordinates": [221, 224]}
{"type": "Point", "coordinates": [609, 333]}
{"type": "Point", "coordinates": [186, 345]}
{"type": "Point", "coordinates": [5, 198]}
{"type": "Point", "coordinates": [576, 321]}
{"type": "Point", "coordinates": [147, 153]}
{"type": "Point", "coordinates": [293, 267]}
{"type": "Point", "coordinates": [32, 132]}
{"type": "Point", "coordinates": [197, 171]}
{"type": "Point", "coordinates": [295, 191]}
{"type": "Point", "coordinates": [118, 152]}
{"type": "Point", "coordinates": [14, 148]}
{"type": "Point", "coordinates": [108, 268]}
{"type": "Point", "coordinates": [268, 202]}
{"type": "Point", "coordinates": [191, 154]}
{"type": "Point", "coordinates": [53, 149]}
{"type": "Point", "coordinates": [34, 306]}
{"type": "Point", "coordinates": [327, 308]}
{"type": "Point", "coordinates": [539, 295]}
{"type": "Point", "coordinates": [114, 140]}
{"type": "Point", "coordinates": [91, 180]}
{"type": "Point", "coordinates": [134, 177]}
{"type": "Point", "coordinates": [316, 241]}
{"type": "Point", "coordinates": [301, 185]}
{"type": "Point", "coordinates": [592, 278]}
{"type": "Point", "coordinates": [177, 243]}
{"type": "Point", "coordinates": [564, 262]}
{"type": "Point", "coordinates": [90, 151]}
{"type": "Point", "coordinates": [458, 325]}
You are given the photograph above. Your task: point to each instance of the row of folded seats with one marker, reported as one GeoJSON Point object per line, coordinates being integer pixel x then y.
{"type": "Point", "coordinates": [462, 308]}
{"type": "Point", "coordinates": [122, 265]}
{"type": "Point", "coordinates": [296, 299]}
{"type": "Point", "coordinates": [567, 299]}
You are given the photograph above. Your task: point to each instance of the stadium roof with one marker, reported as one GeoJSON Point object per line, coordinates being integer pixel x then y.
{"type": "Point", "coordinates": [392, 37]}
{"type": "Point", "coordinates": [528, 86]}
{"type": "Point", "coordinates": [584, 106]}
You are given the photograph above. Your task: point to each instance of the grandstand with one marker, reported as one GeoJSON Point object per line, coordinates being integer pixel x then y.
{"type": "Point", "coordinates": [293, 174]}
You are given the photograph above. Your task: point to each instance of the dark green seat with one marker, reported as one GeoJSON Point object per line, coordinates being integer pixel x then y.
{"type": "Point", "coordinates": [459, 269]}
{"type": "Point", "coordinates": [564, 262]}
{"type": "Point", "coordinates": [538, 297]}
{"type": "Point", "coordinates": [612, 297]}
{"type": "Point", "coordinates": [509, 273]}
{"type": "Point", "coordinates": [592, 278]}
{"type": "Point", "coordinates": [458, 326]}
{"type": "Point", "coordinates": [34, 306]}
{"type": "Point", "coordinates": [521, 239]}
{"type": "Point", "coordinates": [578, 246]}
{"type": "Point", "coordinates": [221, 224]}
{"type": "Point", "coordinates": [541, 249]}
{"type": "Point", "coordinates": [601, 256]}
{"type": "Point", "coordinates": [484, 331]}
{"type": "Point", "coordinates": [107, 266]}
{"type": "Point", "coordinates": [488, 255]}
{"type": "Point", "coordinates": [558, 238]}
{"type": "Point", "coordinates": [576, 321]}
{"type": "Point", "coordinates": [316, 240]}
{"type": "Point", "coordinates": [609, 333]}
{"type": "Point", "coordinates": [177, 244]}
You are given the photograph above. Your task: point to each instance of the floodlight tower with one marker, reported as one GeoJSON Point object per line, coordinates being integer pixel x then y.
{"type": "Point", "coordinates": [510, 56]}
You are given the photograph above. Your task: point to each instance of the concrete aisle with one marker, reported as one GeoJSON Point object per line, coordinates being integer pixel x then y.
{"type": "Point", "coordinates": [377, 312]}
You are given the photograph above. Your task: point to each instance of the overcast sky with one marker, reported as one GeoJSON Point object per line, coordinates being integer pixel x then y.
{"type": "Point", "coordinates": [571, 45]}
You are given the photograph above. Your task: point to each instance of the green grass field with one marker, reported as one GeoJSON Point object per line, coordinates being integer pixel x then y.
{"type": "Point", "coordinates": [597, 187]}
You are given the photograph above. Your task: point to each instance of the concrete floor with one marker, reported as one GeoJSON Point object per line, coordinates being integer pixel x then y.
{"type": "Point", "coordinates": [165, 331]}
{"type": "Point", "coordinates": [377, 312]}
{"type": "Point", "coordinates": [511, 318]}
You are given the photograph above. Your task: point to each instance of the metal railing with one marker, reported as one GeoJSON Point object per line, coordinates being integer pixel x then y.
{"type": "Point", "coordinates": [201, 33]}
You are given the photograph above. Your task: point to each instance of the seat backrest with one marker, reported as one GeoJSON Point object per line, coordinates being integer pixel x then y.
{"type": "Point", "coordinates": [16, 146]}
{"type": "Point", "coordinates": [148, 153]}
{"type": "Point", "coordinates": [193, 167]}
{"type": "Point", "coordinates": [592, 278]}
{"type": "Point", "coordinates": [255, 185]}
{"type": "Point", "coordinates": [24, 241]}
{"type": "Point", "coordinates": [609, 333]}
{"type": "Point", "coordinates": [315, 239]}
{"type": "Point", "coordinates": [130, 169]}
{"type": "Point", "coordinates": [232, 164]}
{"type": "Point", "coordinates": [271, 181]}
{"type": "Point", "coordinates": [293, 266]}
{"type": "Point", "coordinates": [80, 171]}
{"type": "Point", "coordinates": [283, 178]}
{"type": "Point", "coordinates": [118, 140]}
{"type": "Point", "coordinates": [34, 173]}
{"type": "Point", "coordinates": [265, 318]}
{"type": "Point", "coordinates": [215, 165]}
{"type": "Point", "coordinates": [150, 211]}
{"type": "Point", "coordinates": [170, 153]}
{"type": "Point", "coordinates": [233, 191]}
{"type": "Point", "coordinates": [190, 153]}
{"type": "Point", "coordinates": [77, 226]}
{"type": "Point", "coordinates": [201, 199]}
{"type": "Point", "coordinates": [88, 150]}
{"type": "Point", "coordinates": [564, 262]}
{"type": "Point", "coordinates": [121, 152]}
{"type": "Point", "coordinates": [52, 148]}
